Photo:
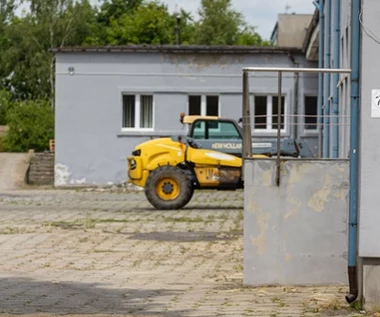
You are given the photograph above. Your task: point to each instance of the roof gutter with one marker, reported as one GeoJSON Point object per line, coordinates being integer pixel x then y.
{"type": "Point", "coordinates": [182, 49]}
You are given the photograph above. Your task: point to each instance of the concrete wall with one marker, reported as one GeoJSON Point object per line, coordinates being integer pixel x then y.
{"type": "Point", "coordinates": [295, 233]}
{"type": "Point", "coordinates": [91, 147]}
{"type": "Point", "coordinates": [369, 202]}
{"type": "Point", "coordinates": [292, 29]}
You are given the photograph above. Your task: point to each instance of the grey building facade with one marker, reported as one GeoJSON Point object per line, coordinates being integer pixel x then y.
{"type": "Point", "coordinates": [334, 93]}
{"type": "Point", "coordinates": [349, 39]}
{"type": "Point", "coordinates": [108, 100]}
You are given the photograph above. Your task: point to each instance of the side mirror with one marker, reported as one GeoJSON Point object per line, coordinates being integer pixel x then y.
{"type": "Point", "coordinates": [181, 116]}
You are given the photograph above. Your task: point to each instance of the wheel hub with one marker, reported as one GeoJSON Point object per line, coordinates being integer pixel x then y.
{"type": "Point", "coordinates": [167, 188]}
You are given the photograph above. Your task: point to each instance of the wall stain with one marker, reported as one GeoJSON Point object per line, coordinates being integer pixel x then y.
{"type": "Point", "coordinates": [285, 240]}
{"type": "Point", "coordinates": [318, 200]}
{"type": "Point", "coordinates": [266, 177]}
{"type": "Point", "coordinates": [61, 174]}
{"type": "Point", "coordinates": [252, 206]}
{"type": "Point", "coordinates": [260, 240]}
{"type": "Point", "coordinates": [291, 212]}
{"type": "Point", "coordinates": [296, 176]}
{"type": "Point", "coordinates": [297, 172]}
{"type": "Point", "coordinates": [187, 62]}
{"type": "Point", "coordinates": [341, 194]}
{"type": "Point", "coordinates": [78, 181]}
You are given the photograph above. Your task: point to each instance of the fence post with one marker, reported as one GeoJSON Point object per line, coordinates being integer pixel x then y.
{"type": "Point", "coordinates": [279, 104]}
{"type": "Point", "coordinates": [247, 138]}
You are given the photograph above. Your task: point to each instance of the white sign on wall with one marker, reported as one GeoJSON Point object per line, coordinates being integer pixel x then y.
{"type": "Point", "coordinates": [375, 100]}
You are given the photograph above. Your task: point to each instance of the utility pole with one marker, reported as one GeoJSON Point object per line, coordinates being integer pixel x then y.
{"type": "Point", "coordinates": [178, 30]}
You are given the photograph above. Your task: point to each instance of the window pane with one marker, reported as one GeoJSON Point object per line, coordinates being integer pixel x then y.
{"type": "Point", "coordinates": [212, 106]}
{"type": "Point", "coordinates": [128, 111]}
{"type": "Point", "coordinates": [311, 111]}
{"type": "Point", "coordinates": [199, 131]}
{"type": "Point", "coordinates": [146, 111]}
{"type": "Point", "coordinates": [275, 112]}
{"type": "Point", "coordinates": [223, 130]}
{"type": "Point", "coordinates": [194, 105]}
{"type": "Point", "coordinates": [260, 112]}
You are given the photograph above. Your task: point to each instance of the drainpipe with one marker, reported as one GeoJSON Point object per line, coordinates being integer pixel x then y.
{"type": "Point", "coordinates": [335, 141]}
{"type": "Point", "coordinates": [295, 89]}
{"type": "Point", "coordinates": [326, 136]}
{"type": "Point", "coordinates": [354, 132]}
{"type": "Point", "coordinates": [319, 5]}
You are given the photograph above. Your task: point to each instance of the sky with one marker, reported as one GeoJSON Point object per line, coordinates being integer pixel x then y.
{"type": "Point", "coordinates": [261, 14]}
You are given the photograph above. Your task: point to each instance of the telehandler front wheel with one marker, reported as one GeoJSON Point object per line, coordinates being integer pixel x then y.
{"type": "Point", "coordinates": [168, 187]}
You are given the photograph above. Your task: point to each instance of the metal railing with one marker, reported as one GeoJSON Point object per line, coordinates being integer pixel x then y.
{"type": "Point", "coordinates": [246, 116]}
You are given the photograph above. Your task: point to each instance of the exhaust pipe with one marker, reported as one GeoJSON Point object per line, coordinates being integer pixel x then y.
{"type": "Point", "coordinates": [353, 283]}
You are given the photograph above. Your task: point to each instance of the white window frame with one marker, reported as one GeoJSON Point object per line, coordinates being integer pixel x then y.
{"type": "Point", "coordinates": [203, 102]}
{"type": "Point", "coordinates": [138, 111]}
{"type": "Point", "coordinates": [313, 131]}
{"type": "Point", "coordinates": [269, 128]}
{"type": "Point", "coordinates": [204, 105]}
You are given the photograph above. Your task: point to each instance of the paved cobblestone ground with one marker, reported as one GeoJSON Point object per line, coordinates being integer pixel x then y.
{"type": "Point", "coordinates": [81, 253]}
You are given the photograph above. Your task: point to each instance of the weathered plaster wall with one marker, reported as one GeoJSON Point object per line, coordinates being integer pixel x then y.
{"type": "Point", "coordinates": [295, 233]}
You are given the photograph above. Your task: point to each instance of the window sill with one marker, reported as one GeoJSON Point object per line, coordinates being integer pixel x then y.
{"type": "Point", "coordinates": [148, 133]}
{"type": "Point", "coordinates": [269, 133]}
{"type": "Point", "coordinates": [309, 133]}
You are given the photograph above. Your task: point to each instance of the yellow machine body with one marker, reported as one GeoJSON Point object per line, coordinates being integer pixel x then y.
{"type": "Point", "coordinates": [211, 168]}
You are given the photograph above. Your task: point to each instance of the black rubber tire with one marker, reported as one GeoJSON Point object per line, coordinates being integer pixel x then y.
{"type": "Point", "coordinates": [186, 189]}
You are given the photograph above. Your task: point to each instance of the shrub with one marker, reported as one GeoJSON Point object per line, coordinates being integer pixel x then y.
{"type": "Point", "coordinates": [2, 145]}
{"type": "Point", "coordinates": [31, 126]}
{"type": "Point", "coordinates": [5, 105]}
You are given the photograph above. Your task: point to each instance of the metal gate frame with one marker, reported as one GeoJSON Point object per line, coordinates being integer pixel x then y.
{"type": "Point", "coordinates": [246, 116]}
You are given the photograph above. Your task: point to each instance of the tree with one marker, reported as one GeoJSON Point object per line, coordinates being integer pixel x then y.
{"type": "Point", "coordinates": [31, 126]}
{"type": "Point", "coordinates": [187, 26]}
{"type": "Point", "coordinates": [7, 11]}
{"type": "Point", "coordinates": [150, 23]}
{"type": "Point", "coordinates": [61, 20]}
{"type": "Point", "coordinates": [110, 10]}
{"type": "Point", "coordinates": [25, 62]}
{"type": "Point", "coordinates": [114, 9]}
{"type": "Point", "coordinates": [219, 24]}
{"type": "Point", "coordinates": [28, 67]}
{"type": "Point", "coordinates": [250, 37]}
{"type": "Point", "coordinates": [5, 105]}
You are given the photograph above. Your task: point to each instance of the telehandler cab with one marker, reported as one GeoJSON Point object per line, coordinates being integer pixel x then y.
{"type": "Point", "coordinates": [225, 135]}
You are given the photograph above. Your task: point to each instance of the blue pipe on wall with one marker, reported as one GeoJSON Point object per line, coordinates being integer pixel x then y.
{"type": "Point", "coordinates": [354, 132]}
{"type": "Point", "coordinates": [326, 135]}
{"type": "Point", "coordinates": [319, 5]}
{"type": "Point", "coordinates": [336, 41]}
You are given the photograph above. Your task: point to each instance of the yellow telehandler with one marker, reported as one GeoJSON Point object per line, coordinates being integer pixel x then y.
{"type": "Point", "coordinates": [171, 168]}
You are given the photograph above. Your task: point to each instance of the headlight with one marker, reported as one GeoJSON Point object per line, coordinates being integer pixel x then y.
{"type": "Point", "coordinates": [136, 152]}
{"type": "Point", "coordinates": [133, 164]}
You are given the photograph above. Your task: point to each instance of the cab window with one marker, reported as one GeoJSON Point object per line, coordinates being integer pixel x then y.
{"type": "Point", "coordinates": [223, 130]}
{"type": "Point", "coordinates": [215, 130]}
{"type": "Point", "coordinates": [199, 130]}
